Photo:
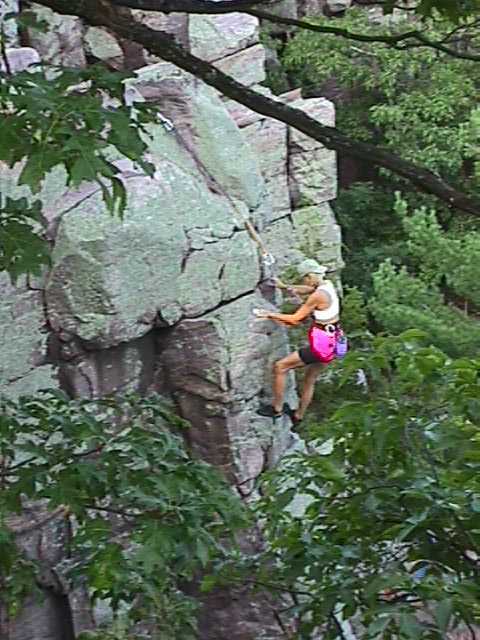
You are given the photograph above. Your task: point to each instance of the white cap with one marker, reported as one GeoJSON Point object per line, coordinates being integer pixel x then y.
{"type": "Point", "coordinates": [311, 266]}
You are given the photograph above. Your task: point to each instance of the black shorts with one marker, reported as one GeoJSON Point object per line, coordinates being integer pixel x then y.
{"type": "Point", "coordinates": [306, 356]}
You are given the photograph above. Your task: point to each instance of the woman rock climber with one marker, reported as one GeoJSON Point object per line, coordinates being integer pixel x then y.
{"type": "Point", "coordinates": [323, 306]}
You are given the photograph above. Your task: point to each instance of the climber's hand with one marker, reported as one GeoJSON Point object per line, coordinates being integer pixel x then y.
{"type": "Point", "coordinates": [280, 284]}
{"type": "Point", "coordinates": [261, 314]}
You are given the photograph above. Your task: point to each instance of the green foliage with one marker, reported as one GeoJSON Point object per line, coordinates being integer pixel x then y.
{"type": "Point", "coordinates": [473, 144]}
{"type": "Point", "coordinates": [370, 230]}
{"type": "Point", "coordinates": [354, 312]}
{"type": "Point", "coordinates": [390, 484]}
{"type": "Point", "coordinates": [452, 10]}
{"type": "Point", "coordinates": [77, 119]}
{"type": "Point", "coordinates": [144, 515]}
{"type": "Point", "coordinates": [443, 267]}
{"type": "Point", "coordinates": [419, 102]}
{"type": "Point", "coordinates": [22, 248]}
{"type": "Point", "coordinates": [276, 80]}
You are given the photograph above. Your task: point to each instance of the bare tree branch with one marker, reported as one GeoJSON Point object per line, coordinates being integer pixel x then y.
{"type": "Point", "coordinates": [103, 14]}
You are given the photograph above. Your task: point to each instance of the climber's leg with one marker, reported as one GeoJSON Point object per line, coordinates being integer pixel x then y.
{"type": "Point", "coordinates": [311, 375]}
{"type": "Point", "coordinates": [280, 370]}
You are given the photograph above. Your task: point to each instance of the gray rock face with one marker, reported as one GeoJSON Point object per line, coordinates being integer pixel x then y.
{"type": "Point", "coordinates": [337, 6]}
{"type": "Point", "coordinates": [311, 165]}
{"type": "Point", "coordinates": [247, 66]}
{"type": "Point", "coordinates": [176, 24]}
{"type": "Point", "coordinates": [24, 365]}
{"type": "Point", "coordinates": [216, 366]}
{"type": "Point", "coordinates": [146, 265]}
{"type": "Point", "coordinates": [163, 299]}
{"type": "Point", "coordinates": [311, 7]}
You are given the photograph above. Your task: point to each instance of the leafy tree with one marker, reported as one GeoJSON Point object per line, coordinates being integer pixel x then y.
{"type": "Point", "coordinates": [143, 515]}
{"type": "Point", "coordinates": [370, 232]}
{"type": "Point", "coordinates": [424, 107]}
{"type": "Point", "coordinates": [377, 524]}
{"type": "Point", "coordinates": [411, 101]}
{"type": "Point", "coordinates": [439, 292]}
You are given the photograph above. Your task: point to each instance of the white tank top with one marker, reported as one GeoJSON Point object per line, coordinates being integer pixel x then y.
{"type": "Point", "coordinates": [332, 312]}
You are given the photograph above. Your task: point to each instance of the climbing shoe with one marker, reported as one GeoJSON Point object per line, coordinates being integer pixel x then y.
{"type": "Point", "coordinates": [291, 414]}
{"type": "Point", "coordinates": [268, 411]}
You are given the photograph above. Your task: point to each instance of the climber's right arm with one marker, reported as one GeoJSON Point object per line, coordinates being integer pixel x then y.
{"type": "Point", "coordinates": [301, 289]}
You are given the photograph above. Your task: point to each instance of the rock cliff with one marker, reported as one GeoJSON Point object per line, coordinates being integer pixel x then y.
{"type": "Point", "coordinates": [162, 300]}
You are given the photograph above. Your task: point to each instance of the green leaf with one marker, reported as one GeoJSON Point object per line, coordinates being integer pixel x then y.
{"type": "Point", "coordinates": [410, 627]}
{"type": "Point", "coordinates": [443, 613]}
{"type": "Point", "coordinates": [208, 583]}
{"type": "Point", "coordinates": [81, 171]}
{"type": "Point", "coordinates": [202, 552]}
{"type": "Point", "coordinates": [379, 626]}
{"type": "Point", "coordinates": [33, 172]}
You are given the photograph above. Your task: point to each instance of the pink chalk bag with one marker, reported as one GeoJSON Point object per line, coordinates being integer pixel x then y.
{"type": "Point", "coordinates": [328, 342]}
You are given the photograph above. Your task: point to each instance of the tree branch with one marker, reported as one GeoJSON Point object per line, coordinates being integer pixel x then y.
{"type": "Point", "coordinates": [191, 6]}
{"type": "Point", "coordinates": [249, 6]}
{"type": "Point", "coordinates": [3, 52]}
{"type": "Point", "coordinates": [393, 41]}
{"type": "Point", "coordinates": [101, 13]}
{"type": "Point", "coordinates": [379, 3]}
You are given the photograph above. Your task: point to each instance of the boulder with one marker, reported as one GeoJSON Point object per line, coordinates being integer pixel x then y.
{"type": "Point", "coordinates": [109, 275]}
{"type": "Point", "coordinates": [280, 239]}
{"type": "Point", "coordinates": [42, 535]}
{"type": "Point", "coordinates": [176, 24]}
{"type": "Point", "coordinates": [205, 137]}
{"type": "Point", "coordinates": [319, 109]}
{"type": "Point", "coordinates": [215, 37]}
{"type": "Point", "coordinates": [283, 9]}
{"type": "Point", "coordinates": [269, 138]}
{"type": "Point", "coordinates": [62, 43]}
{"type": "Point", "coordinates": [310, 177]}
{"type": "Point", "coordinates": [246, 66]}
{"type": "Point", "coordinates": [311, 7]}
{"type": "Point", "coordinates": [20, 59]}
{"type": "Point", "coordinates": [103, 45]}
{"type": "Point", "coordinates": [162, 300]}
